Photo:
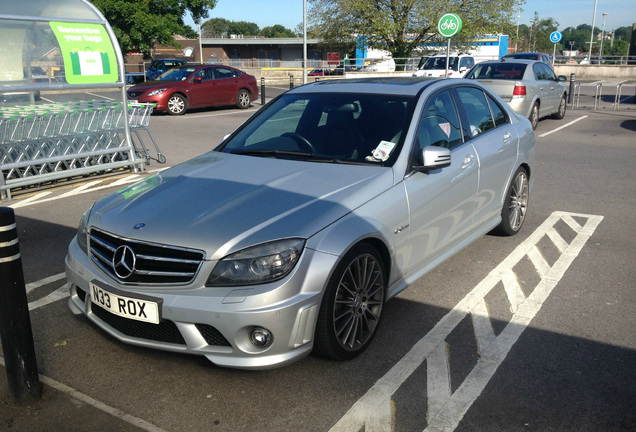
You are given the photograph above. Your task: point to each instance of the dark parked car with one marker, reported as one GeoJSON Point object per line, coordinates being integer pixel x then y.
{"type": "Point", "coordinates": [157, 67]}
{"type": "Point", "coordinates": [293, 233]}
{"type": "Point", "coordinates": [544, 58]}
{"type": "Point", "coordinates": [193, 86]}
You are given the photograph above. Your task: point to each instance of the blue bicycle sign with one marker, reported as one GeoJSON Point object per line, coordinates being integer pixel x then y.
{"type": "Point", "coordinates": [555, 37]}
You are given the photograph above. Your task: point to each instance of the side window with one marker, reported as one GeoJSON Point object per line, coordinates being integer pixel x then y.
{"type": "Point", "coordinates": [538, 71]}
{"type": "Point", "coordinates": [223, 73]}
{"type": "Point", "coordinates": [548, 73]}
{"type": "Point", "coordinates": [497, 112]}
{"type": "Point", "coordinates": [440, 125]}
{"type": "Point", "coordinates": [477, 110]}
{"type": "Point", "coordinates": [205, 73]}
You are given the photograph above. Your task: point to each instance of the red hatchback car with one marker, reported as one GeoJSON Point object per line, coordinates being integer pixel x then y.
{"type": "Point", "coordinates": [193, 86]}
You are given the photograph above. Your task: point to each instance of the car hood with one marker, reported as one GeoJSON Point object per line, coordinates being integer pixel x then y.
{"type": "Point", "coordinates": [221, 203]}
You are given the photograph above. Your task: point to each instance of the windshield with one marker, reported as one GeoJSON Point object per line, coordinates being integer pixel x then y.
{"type": "Point", "coordinates": [177, 74]}
{"type": "Point", "coordinates": [440, 63]}
{"type": "Point", "coordinates": [327, 127]}
{"type": "Point", "coordinates": [511, 71]}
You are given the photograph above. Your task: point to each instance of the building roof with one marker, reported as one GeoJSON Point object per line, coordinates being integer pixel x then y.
{"type": "Point", "coordinates": [251, 40]}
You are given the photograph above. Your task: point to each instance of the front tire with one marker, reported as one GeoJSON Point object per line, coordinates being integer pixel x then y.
{"type": "Point", "coordinates": [243, 99]}
{"type": "Point", "coordinates": [352, 305]}
{"type": "Point", "coordinates": [177, 104]}
{"type": "Point", "coordinates": [515, 205]}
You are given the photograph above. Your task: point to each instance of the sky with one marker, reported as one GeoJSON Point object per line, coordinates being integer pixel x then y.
{"type": "Point", "coordinates": [568, 13]}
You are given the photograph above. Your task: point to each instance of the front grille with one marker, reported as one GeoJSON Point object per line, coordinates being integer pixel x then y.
{"type": "Point", "coordinates": [165, 331]}
{"type": "Point", "coordinates": [134, 94]}
{"type": "Point", "coordinates": [146, 263]}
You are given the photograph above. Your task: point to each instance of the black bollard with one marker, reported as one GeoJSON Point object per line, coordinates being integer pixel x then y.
{"type": "Point", "coordinates": [15, 325]}
{"type": "Point", "coordinates": [571, 91]}
{"type": "Point", "coordinates": [291, 82]}
{"type": "Point", "coordinates": [262, 91]}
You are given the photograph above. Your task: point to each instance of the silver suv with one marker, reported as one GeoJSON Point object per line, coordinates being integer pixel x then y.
{"type": "Point", "coordinates": [458, 65]}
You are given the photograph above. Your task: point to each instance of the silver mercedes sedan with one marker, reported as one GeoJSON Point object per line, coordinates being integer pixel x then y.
{"type": "Point", "coordinates": [290, 236]}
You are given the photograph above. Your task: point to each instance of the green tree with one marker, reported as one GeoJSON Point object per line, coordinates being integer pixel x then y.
{"type": "Point", "coordinates": [244, 28]}
{"type": "Point", "coordinates": [401, 26]}
{"type": "Point", "coordinates": [215, 28]}
{"type": "Point", "coordinates": [139, 24]}
{"type": "Point", "coordinates": [540, 30]}
{"type": "Point", "coordinates": [277, 31]}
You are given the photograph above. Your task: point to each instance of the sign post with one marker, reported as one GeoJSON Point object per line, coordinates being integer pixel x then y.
{"type": "Point", "coordinates": [555, 38]}
{"type": "Point", "coordinates": [448, 26]}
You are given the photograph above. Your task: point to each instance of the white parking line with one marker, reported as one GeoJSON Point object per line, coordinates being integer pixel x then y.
{"type": "Point", "coordinates": [445, 409]}
{"type": "Point", "coordinates": [195, 116]}
{"type": "Point", "coordinates": [33, 285]}
{"type": "Point", "coordinates": [101, 96]}
{"type": "Point", "coordinates": [562, 127]}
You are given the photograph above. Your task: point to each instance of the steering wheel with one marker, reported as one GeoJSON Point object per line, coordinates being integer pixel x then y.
{"type": "Point", "coordinates": [302, 142]}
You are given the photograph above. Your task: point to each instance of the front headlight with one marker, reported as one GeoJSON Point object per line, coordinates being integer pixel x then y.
{"type": "Point", "coordinates": [258, 264]}
{"type": "Point", "coordinates": [82, 231]}
{"type": "Point", "coordinates": [157, 92]}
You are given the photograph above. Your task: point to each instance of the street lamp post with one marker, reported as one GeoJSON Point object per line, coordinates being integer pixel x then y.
{"type": "Point", "coordinates": [593, 24]}
{"type": "Point", "coordinates": [518, 18]}
{"type": "Point", "coordinates": [602, 37]}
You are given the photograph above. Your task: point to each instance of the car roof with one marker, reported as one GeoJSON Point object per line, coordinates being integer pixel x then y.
{"type": "Point", "coordinates": [525, 54]}
{"type": "Point", "coordinates": [407, 86]}
{"type": "Point", "coordinates": [505, 60]}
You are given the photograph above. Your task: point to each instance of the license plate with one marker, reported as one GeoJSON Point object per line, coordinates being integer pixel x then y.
{"type": "Point", "coordinates": [127, 307]}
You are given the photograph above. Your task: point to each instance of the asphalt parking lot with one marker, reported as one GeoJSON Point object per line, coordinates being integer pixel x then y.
{"type": "Point", "coordinates": [563, 361]}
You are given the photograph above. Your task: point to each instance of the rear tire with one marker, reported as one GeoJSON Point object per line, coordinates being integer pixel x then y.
{"type": "Point", "coordinates": [243, 99]}
{"type": "Point", "coordinates": [352, 305]}
{"type": "Point", "coordinates": [534, 115]}
{"type": "Point", "coordinates": [515, 205]}
{"type": "Point", "coordinates": [561, 111]}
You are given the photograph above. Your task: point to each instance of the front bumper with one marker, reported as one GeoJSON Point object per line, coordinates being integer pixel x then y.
{"type": "Point", "coordinates": [214, 322]}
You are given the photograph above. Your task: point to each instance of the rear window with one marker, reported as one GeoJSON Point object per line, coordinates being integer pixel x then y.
{"type": "Point", "coordinates": [510, 71]}
{"type": "Point", "coordinates": [523, 56]}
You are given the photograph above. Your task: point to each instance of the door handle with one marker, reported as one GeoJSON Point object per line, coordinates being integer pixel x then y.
{"type": "Point", "coordinates": [468, 162]}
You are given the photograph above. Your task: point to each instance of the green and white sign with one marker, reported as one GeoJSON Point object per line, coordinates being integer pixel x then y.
{"type": "Point", "coordinates": [89, 56]}
{"type": "Point", "coordinates": [449, 25]}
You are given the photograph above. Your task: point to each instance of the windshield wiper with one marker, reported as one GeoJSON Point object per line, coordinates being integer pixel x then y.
{"type": "Point", "coordinates": [304, 155]}
{"type": "Point", "coordinates": [275, 153]}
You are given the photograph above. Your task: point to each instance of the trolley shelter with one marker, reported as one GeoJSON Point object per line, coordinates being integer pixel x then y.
{"type": "Point", "coordinates": [63, 106]}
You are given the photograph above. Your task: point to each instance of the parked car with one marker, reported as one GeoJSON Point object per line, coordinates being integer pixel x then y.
{"type": "Point", "coordinates": [528, 86]}
{"type": "Point", "coordinates": [157, 67]}
{"type": "Point", "coordinates": [458, 65]}
{"type": "Point", "coordinates": [318, 72]}
{"type": "Point", "coordinates": [292, 234]}
{"type": "Point", "coordinates": [193, 86]}
{"type": "Point", "coordinates": [544, 58]}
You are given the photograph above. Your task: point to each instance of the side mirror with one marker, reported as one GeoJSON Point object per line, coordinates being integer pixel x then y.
{"type": "Point", "coordinates": [197, 79]}
{"type": "Point", "coordinates": [562, 78]}
{"type": "Point", "coordinates": [434, 158]}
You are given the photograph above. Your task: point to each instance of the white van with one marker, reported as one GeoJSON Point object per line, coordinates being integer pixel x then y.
{"type": "Point", "coordinates": [459, 64]}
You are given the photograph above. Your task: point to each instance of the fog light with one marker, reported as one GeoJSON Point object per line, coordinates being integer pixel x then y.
{"type": "Point", "coordinates": [261, 337]}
